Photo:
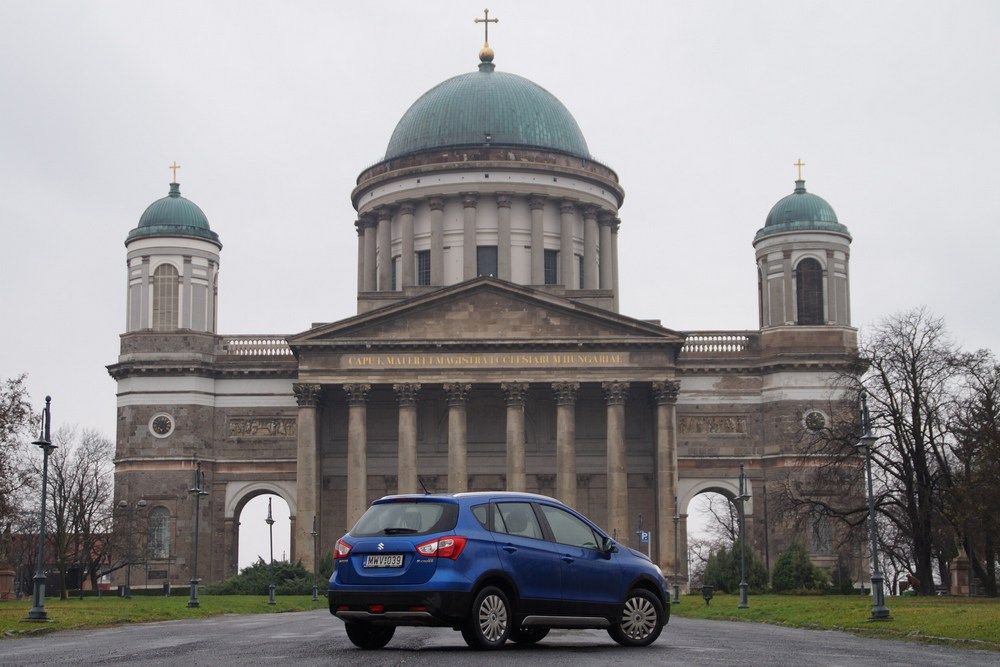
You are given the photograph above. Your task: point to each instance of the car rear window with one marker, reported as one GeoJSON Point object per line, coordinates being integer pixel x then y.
{"type": "Point", "coordinates": [406, 518]}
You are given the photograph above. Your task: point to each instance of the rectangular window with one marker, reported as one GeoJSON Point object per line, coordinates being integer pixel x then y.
{"type": "Point", "coordinates": [486, 260]}
{"type": "Point", "coordinates": [423, 267]}
{"type": "Point", "coordinates": [395, 273]}
{"type": "Point", "coordinates": [551, 262]}
{"type": "Point", "coordinates": [579, 265]}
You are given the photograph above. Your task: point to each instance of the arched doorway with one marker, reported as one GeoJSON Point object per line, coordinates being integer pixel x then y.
{"type": "Point", "coordinates": [246, 526]}
{"type": "Point", "coordinates": [709, 519]}
{"type": "Point", "coordinates": [254, 542]}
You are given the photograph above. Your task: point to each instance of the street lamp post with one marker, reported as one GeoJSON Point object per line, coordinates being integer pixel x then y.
{"type": "Point", "coordinates": [743, 498]}
{"type": "Point", "coordinates": [677, 573]}
{"type": "Point", "coordinates": [37, 611]}
{"type": "Point", "coordinates": [198, 489]}
{"type": "Point", "coordinates": [270, 535]}
{"type": "Point", "coordinates": [314, 534]}
{"type": "Point", "coordinates": [129, 512]}
{"type": "Point", "coordinates": [879, 611]}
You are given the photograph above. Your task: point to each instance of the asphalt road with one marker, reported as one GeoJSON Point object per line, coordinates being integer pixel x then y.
{"type": "Point", "coordinates": [316, 638]}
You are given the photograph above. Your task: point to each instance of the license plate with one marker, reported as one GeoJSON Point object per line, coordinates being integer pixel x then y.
{"type": "Point", "coordinates": [384, 560]}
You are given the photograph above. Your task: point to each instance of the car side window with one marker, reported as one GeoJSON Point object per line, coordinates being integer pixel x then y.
{"type": "Point", "coordinates": [482, 513]}
{"type": "Point", "coordinates": [518, 519]}
{"type": "Point", "coordinates": [568, 529]}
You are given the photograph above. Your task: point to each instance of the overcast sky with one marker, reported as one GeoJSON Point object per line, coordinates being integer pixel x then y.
{"type": "Point", "coordinates": [273, 108]}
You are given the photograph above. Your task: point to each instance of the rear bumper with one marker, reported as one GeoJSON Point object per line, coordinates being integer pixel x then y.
{"type": "Point", "coordinates": [443, 608]}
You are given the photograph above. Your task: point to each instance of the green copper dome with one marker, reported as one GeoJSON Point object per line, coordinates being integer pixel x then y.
{"type": "Point", "coordinates": [174, 216]}
{"type": "Point", "coordinates": [801, 211]}
{"type": "Point", "coordinates": [487, 107]}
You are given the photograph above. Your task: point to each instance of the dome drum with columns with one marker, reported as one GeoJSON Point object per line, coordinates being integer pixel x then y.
{"type": "Point", "coordinates": [488, 353]}
{"type": "Point", "coordinates": [487, 174]}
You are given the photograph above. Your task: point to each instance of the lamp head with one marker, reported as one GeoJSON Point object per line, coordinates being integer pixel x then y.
{"type": "Point", "coordinates": [141, 504]}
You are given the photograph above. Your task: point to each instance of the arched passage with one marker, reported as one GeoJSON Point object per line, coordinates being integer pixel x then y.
{"type": "Point", "coordinates": [251, 496]}
{"type": "Point", "coordinates": [697, 500]}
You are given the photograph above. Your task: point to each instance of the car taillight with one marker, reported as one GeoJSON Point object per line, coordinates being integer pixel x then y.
{"type": "Point", "coordinates": [342, 550]}
{"type": "Point", "coordinates": [443, 547]}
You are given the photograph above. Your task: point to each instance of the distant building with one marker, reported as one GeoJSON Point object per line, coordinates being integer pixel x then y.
{"type": "Point", "coordinates": [487, 352]}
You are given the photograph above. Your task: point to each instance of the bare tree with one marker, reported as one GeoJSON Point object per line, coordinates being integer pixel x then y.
{"type": "Point", "coordinates": [973, 506]}
{"type": "Point", "coordinates": [80, 497]}
{"type": "Point", "coordinates": [16, 423]}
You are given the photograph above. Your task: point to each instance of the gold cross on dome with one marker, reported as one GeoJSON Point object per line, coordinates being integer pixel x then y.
{"type": "Point", "coordinates": [174, 167]}
{"type": "Point", "coordinates": [800, 164]}
{"type": "Point", "coordinates": [486, 21]}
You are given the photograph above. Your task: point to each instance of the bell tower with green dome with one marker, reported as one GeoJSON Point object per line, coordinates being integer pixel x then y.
{"type": "Point", "coordinates": [173, 268]}
{"type": "Point", "coordinates": [803, 256]}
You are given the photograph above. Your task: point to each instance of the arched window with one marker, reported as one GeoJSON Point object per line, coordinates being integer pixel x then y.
{"type": "Point", "coordinates": [165, 293]}
{"type": "Point", "coordinates": [809, 291]}
{"type": "Point", "coordinates": [159, 533]}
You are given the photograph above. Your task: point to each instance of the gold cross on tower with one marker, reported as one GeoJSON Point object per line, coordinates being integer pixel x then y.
{"type": "Point", "coordinates": [486, 21]}
{"type": "Point", "coordinates": [800, 164]}
{"type": "Point", "coordinates": [174, 167]}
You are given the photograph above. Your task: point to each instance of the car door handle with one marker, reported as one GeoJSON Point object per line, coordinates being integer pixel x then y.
{"type": "Point", "coordinates": [509, 548]}
{"type": "Point", "coordinates": [567, 559]}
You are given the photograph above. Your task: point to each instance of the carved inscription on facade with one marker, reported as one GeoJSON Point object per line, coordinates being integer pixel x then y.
{"type": "Point", "coordinates": [712, 425]}
{"type": "Point", "coordinates": [262, 427]}
{"type": "Point", "coordinates": [487, 360]}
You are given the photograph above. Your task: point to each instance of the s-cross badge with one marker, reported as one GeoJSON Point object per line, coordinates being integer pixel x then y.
{"type": "Point", "coordinates": [381, 545]}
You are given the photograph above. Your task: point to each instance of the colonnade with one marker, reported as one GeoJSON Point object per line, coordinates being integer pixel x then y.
{"type": "Point", "coordinates": [616, 392]}
{"type": "Point", "coordinates": [599, 233]}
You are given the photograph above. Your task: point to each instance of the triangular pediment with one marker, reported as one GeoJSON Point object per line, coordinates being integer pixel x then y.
{"type": "Point", "coordinates": [491, 311]}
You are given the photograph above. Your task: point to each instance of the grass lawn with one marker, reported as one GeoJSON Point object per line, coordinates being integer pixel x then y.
{"type": "Point", "coordinates": [972, 622]}
{"type": "Point", "coordinates": [98, 612]}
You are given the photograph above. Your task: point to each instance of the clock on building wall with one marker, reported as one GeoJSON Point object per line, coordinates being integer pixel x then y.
{"type": "Point", "coordinates": [161, 425]}
{"type": "Point", "coordinates": [815, 421]}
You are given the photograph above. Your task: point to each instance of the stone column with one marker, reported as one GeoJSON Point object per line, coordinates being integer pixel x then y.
{"type": "Point", "coordinates": [665, 395]}
{"type": "Point", "coordinates": [830, 290]}
{"type": "Point", "coordinates": [458, 464]}
{"type": "Point", "coordinates": [357, 454]}
{"type": "Point", "coordinates": [213, 295]}
{"type": "Point", "coordinates": [537, 205]}
{"type": "Point", "coordinates": [384, 249]}
{"type": "Point", "coordinates": [406, 473]}
{"type": "Point", "coordinates": [515, 393]}
{"type": "Point", "coordinates": [470, 201]}
{"type": "Point", "coordinates": [567, 226]}
{"type": "Point", "coordinates": [682, 532]}
{"type": "Point", "coordinates": [503, 235]}
{"type": "Point", "coordinates": [591, 270]}
{"type": "Point", "coordinates": [617, 482]}
{"type": "Point", "coordinates": [788, 286]}
{"type": "Point", "coordinates": [436, 205]}
{"type": "Point", "coordinates": [614, 260]}
{"type": "Point", "coordinates": [566, 440]}
{"type": "Point", "coordinates": [145, 296]}
{"type": "Point", "coordinates": [371, 261]}
{"type": "Point", "coordinates": [407, 258]}
{"type": "Point", "coordinates": [307, 469]}
{"type": "Point", "coordinates": [360, 226]}
{"type": "Point", "coordinates": [187, 289]}
{"type": "Point", "coordinates": [606, 220]}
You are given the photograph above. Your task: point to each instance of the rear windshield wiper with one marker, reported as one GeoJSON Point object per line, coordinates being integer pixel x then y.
{"type": "Point", "coordinates": [400, 531]}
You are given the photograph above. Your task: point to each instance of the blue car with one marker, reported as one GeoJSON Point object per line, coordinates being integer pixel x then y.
{"type": "Point", "coordinates": [495, 566]}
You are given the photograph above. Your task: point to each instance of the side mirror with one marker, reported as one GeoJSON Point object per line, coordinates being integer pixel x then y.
{"type": "Point", "coordinates": [608, 547]}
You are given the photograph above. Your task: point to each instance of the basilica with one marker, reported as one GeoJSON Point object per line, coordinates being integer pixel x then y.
{"type": "Point", "coordinates": [487, 353]}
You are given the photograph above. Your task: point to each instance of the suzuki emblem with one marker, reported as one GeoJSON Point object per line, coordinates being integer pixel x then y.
{"type": "Point", "coordinates": [381, 545]}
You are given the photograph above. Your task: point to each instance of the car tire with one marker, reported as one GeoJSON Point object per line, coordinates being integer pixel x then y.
{"type": "Point", "coordinates": [488, 625]}
{"type": "Point", "coordinates": [369, 636]}
{"type": "Point", "coordinates": [528, 635]}
{"type": "Point", "coordinates": [640, 619]}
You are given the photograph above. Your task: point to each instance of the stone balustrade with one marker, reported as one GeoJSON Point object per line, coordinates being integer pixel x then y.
{"type": "Point", "coordinates": [270, 345]}
{"type": "Point", "coordinates": [717, 343]}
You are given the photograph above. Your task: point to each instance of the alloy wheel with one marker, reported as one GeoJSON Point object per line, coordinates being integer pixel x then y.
{"type": "Point", "coordinates": [638, 618]}
{"type": "Point", "coordinates": [492, 617]}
